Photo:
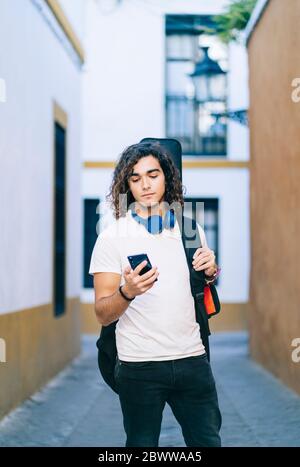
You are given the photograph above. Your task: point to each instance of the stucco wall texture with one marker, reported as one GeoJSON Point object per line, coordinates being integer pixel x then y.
{"type": "Point", "coordinates": [274, 318]}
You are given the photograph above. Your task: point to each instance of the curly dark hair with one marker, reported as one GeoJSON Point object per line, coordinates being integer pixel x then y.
{"type": "Point", "coordinates": [123, 169]}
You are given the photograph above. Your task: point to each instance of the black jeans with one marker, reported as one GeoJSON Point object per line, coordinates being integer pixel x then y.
{"type": "Point", "coordinates": [186, 384]}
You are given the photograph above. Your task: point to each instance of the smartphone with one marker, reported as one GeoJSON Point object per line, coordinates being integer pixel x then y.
{"type": "Point", "coordinates": [135, 260]}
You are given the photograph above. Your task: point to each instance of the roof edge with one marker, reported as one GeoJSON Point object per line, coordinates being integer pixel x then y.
{"type": "Point", "coordinates": [254, 19]}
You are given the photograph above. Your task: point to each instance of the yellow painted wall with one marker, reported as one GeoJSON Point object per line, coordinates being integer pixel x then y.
{"type": "Point", "coordinates": [233, 317]}
{"type": "Point", "coordinates": [38, 345]}
{"type": "Point", "coordinates": [274, 320]}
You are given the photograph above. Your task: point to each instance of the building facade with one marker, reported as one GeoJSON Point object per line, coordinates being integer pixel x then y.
{"type": "Point", "coordinates": [40, 163]}
{"type": "Point", "coordinates": [273, 37]}
{"type": "Point", "coordinates": [138, 83]}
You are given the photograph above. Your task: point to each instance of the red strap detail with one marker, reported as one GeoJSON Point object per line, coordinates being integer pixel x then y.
{"type": "Point", "coordinates": [208, 301]}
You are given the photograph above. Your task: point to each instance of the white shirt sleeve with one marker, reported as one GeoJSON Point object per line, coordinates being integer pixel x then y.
{"type": "Point", "coordinates": [105, 256]}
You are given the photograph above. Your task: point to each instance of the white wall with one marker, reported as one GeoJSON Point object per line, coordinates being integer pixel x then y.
{"type": "Point", "coordinates": [37, 70]}
{"type": "Point", "coordinates": [123, 91]}
{"type": "Point", "coordinates": [238, 98]}
{"type": "Point", "coordinates": [124, 83]}
{"type": "Point", "coordinates": [75, 12]}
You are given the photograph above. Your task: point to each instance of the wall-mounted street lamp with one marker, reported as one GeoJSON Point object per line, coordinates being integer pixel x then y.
{"type": "Point", "coordinates": [209, 99]}
{"type": "Point", "coordinates": [209, 79]}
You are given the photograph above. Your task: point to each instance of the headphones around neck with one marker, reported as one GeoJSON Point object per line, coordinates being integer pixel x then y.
{"type": "Point", "coordinates": [155, 224]}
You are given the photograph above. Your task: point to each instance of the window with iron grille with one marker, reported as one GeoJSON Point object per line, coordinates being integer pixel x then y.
{"type": "Point", "coordinates": [206, 212]}
{"type": "Point", "coordinates": [195, 105]}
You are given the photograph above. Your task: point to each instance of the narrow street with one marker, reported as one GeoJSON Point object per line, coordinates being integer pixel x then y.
{"type": "Point", "coordinates": [77, 409]}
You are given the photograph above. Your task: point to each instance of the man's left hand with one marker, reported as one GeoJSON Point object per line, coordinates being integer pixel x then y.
{"type": "Point", "coordinates": [204, 259]}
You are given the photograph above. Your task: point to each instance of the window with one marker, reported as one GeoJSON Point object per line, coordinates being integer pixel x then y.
{"type": "Point", "coordinates": [59, 269]}
{"type": "Point", "coordinates": [89, 238]}
{"type": "Point", "coordinates": [195, 107]}
{"type": "Point", "coordinates": [210, 222]}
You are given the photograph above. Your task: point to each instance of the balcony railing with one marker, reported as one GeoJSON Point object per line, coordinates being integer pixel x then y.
{"type": "Point", "coordinates": [200, 135]}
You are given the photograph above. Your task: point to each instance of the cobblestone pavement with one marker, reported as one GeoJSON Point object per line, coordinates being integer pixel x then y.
{"type": "Point", "coordinates": [76, 408]}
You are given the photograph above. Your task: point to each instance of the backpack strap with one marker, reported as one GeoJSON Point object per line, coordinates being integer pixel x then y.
{"type": "Point", "coordinates": [190, 233]}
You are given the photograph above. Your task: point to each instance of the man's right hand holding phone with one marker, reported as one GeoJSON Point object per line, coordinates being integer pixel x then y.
{"type": "Point", "coordinates": [136, 284]}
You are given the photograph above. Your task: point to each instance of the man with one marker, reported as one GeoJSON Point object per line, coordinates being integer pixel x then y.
{"type": "Point", "coordinates": [161, 357]}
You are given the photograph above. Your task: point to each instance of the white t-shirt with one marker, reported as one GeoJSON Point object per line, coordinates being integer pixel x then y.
{"type": "Point", "coordinates": [159, 324]}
